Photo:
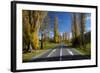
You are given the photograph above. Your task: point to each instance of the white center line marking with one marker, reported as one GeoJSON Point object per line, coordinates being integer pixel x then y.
{"type": "Point", "coordinates": [38, 56]}
{"type": "Point", "coordinates": [51, 52]}
{"type": "Point", "coordinates": [60, 54]}
{"type": "Point", "coordinates": [70, 52]}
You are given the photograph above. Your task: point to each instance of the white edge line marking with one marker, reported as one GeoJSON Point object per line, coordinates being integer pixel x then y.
{"type": "Point", "coordinates": [70, 52]}
{"type": "Point", "coordinates": [78, 52]}
{"type": "Point", "coordinates": [40, 54]}
{"type": "Point", "coordinates": [60, 54]}
{"type": "Point", "coordinates": [51, 52]}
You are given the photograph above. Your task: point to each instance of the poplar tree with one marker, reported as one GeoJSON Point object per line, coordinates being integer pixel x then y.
{"type": "Point", "coordinates": [56, 33]}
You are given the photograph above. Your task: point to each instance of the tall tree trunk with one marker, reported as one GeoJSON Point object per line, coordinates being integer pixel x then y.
{"type": "Point", "coordinates": [35, 40]}
{"type": "Point", "coordinates": [83, 17]}
{"type": "Point", "coordinates": [42, 41]}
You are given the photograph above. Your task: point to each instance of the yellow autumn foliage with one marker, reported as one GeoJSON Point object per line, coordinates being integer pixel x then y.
{"type": "Point", "coordinates": [32, 21]}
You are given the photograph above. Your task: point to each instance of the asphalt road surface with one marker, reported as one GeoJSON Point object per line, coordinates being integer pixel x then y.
{"type": "Point", "coordinates": [60, 53]}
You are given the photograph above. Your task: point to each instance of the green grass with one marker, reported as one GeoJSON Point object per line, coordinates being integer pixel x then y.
{"type": "Point", "coordinates": [28, 56]}
{"type": "Point", "coordinates": [68, 44]}
{"type": "Point", "coordinates": [85, 51]}
{"type": "Point", "coordinates": [49, 45]}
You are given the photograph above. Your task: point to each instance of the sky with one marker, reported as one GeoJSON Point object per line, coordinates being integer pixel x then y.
{"type": "Point", "coordinates": [65, 21]}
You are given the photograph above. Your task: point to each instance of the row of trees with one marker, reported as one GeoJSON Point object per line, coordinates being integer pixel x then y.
{"type": "Point", "coordinates": [45, 30]}
{"type": "Point", "coordinates": [78, 29]}
{"type": "Point", "coordinates": [38, 22]}
{"type": "Point", "coordinates": [35, 23]}
{"type": "Point", "coordinates": [32, 21]}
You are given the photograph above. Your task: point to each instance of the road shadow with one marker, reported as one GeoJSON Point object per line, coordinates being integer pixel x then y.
{"type": "Point", "coordinates": [64, 58]}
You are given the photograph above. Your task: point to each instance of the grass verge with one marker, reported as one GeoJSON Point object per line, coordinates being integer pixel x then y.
{"type": "Point", "coordinates": [47, 45]}
{"type": "Point", "coordinates": [28, 56]}
{"type": "Point", "coordinates": [85, 51]}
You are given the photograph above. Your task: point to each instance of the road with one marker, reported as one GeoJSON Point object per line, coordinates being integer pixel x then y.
{"type": "Point", "coordinates": [60, 53]}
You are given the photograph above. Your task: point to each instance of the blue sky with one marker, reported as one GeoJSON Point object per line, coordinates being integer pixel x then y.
{"type": "Point", "coordinates": [65, 21]}
{"type": "Point", "coordinates": [88, 22]}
